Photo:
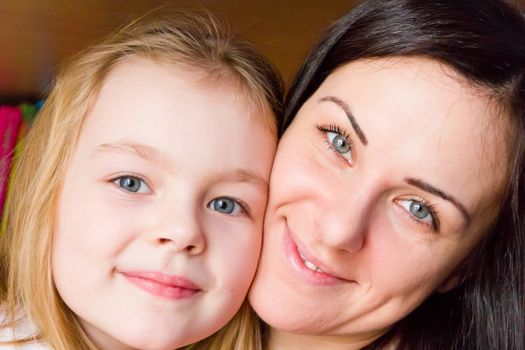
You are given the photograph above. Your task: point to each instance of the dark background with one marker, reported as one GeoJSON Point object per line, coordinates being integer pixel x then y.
{"type": "Point", "coordinates": [37, 35]}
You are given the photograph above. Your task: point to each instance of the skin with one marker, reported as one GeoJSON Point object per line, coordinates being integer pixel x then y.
{"type": "Point", "coordinates": [387, 207]}
{"type": "Point", "coordinates": [159, 150]}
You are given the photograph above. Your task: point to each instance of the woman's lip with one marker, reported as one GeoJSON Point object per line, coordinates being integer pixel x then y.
{"type": "Point", "coordinates": [297, 264]}
{"type": "Point", "coordinates": [162, 285]}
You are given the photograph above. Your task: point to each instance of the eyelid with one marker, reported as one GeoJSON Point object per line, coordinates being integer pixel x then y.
{"type": "Point", "coordinates": [243, 205]}
{"type": "Point", "coordinates": [435, 225]}
{"type": "Point", "coordinates": [139, 177]}
{"type": "Point", "coordinates": [334, 128]}
{"type": "Point", "coordinates": [245, 208]}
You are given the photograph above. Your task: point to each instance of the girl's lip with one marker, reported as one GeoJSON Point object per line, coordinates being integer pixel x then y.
{"type": "Point", "coordinates": [163, 285]}
{"type": "Point", "coordinates": [297, 264]}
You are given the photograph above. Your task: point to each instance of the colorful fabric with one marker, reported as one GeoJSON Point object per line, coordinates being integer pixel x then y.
{"type": "Point", "coordinates": [10, 123]}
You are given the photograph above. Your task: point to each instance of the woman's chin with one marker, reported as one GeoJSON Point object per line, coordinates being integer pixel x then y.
{"type": "Point", "coordinates": [281, 315]}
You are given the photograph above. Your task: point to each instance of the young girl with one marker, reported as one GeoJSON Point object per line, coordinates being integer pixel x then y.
{"type": "Point", "coordinates": [135, 216]}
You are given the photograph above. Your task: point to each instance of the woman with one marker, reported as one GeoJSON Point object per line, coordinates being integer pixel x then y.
{"type": "Point", "coordinates": [396, 211]}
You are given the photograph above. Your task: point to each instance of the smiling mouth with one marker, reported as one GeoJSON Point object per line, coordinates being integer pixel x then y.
{"type": "Point", "coordinates": [163, 285]}
{"type": "Point", "coordinates": [304, 267]}
{"type": "Point", "coordinates": [310, 265]}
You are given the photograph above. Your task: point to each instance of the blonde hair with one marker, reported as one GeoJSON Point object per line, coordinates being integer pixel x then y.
{"type": "Point", "coordinates": [189, 39]}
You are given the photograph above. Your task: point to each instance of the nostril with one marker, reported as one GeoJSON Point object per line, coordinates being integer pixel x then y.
{"type": "Point", "coordinates": [179, 244]}
{"type": "Point", "coordinates": [164, 240]}
{"type": "Point", "coordinates": [190, 248]}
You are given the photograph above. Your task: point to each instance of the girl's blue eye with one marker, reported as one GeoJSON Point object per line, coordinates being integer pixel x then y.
{"type": "Point", "coordinates": [418, 210]}
{"type": "Point", "coordinates": [132, 184]}
{"type": "Point", "coordinates": [226, 205]}
{"type": "Point", "coordinates": [340, 144]}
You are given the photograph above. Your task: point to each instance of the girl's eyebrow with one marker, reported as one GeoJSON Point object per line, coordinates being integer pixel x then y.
{"type": "Point", "coordinates": [242, 176]}
{"type": "Point", "coordinates": [155, 156]}
{"type": "Point", "coordinates": [344, 106]}
{"type": "Point", "coordinates": [145, 152]}
{"type": "Point", "coordinates": [435, 191]}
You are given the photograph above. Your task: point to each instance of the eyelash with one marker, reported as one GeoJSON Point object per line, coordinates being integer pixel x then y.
{"type": "Point", "coordinates": [432, 209]}
{"type": "Point", "coordinates": [243, 205]}
{"type": "Point", "coordinates": [338, 130]}
{"type": "Point", "coordinates": [114, 180]}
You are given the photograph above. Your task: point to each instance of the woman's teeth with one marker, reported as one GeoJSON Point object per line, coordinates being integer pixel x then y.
{"type": "Point", "coordinates": [309, 264]}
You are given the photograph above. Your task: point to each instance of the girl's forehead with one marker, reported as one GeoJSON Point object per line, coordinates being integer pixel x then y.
{"type": "Point", "coordinates": [211, 80]}
{"type": "Point", "coordinates": [160, 107]}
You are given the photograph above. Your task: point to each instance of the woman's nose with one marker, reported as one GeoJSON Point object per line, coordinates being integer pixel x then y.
{"type": "Point", "coordinates": [341, 219]}
{"type": "Point", "coordinates": [181, 229]}
{"type": "Point", "coordinates": [337, 230]}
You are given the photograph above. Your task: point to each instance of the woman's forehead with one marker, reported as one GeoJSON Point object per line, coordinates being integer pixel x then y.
{"type": "Point", "coordinates": [420, 99]}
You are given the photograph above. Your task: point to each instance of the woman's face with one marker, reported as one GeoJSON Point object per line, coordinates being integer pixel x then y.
{"type": "Point", "coordinates": [385, 181]}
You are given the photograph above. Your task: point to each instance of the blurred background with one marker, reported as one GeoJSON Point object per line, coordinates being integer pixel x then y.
{"type": "Point", "coordinates": [37, 35]}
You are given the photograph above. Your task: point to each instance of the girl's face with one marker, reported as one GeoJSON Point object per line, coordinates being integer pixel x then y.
{"type": "Point", "coordinates": [382, 185]}
{"type": "Point", "coordinates": [160, 217]}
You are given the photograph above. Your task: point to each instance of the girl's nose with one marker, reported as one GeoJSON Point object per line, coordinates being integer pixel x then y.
{"type": "Point", "coordinates": [181, 230]}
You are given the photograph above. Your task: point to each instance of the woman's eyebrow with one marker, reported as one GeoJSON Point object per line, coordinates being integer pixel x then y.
{"type": "Point", "coordinates": [431, 189]}
{"type": "Point", "coordinates": [344, 106]}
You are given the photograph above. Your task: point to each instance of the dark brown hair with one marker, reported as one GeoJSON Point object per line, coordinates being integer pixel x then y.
{"type": "Point", "coordinates": [484, 41]}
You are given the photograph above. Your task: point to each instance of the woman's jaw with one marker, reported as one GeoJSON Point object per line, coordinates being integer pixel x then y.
{"type": "Point", "coordinates": [282, 340]}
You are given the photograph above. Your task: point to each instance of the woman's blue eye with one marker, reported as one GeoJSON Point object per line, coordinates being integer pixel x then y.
{"type": "Point", "coordinates": [132, 184]}
{"type": "Point", "coordinates": [340, 144]}
{"type": "Point", "coordinates": [418, 210]}
{"type": "Point", "coordinates": [226, 205]}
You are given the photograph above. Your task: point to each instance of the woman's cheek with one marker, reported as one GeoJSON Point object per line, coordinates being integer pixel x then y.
{"type": "Point", "coordinates": [296, 167]}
